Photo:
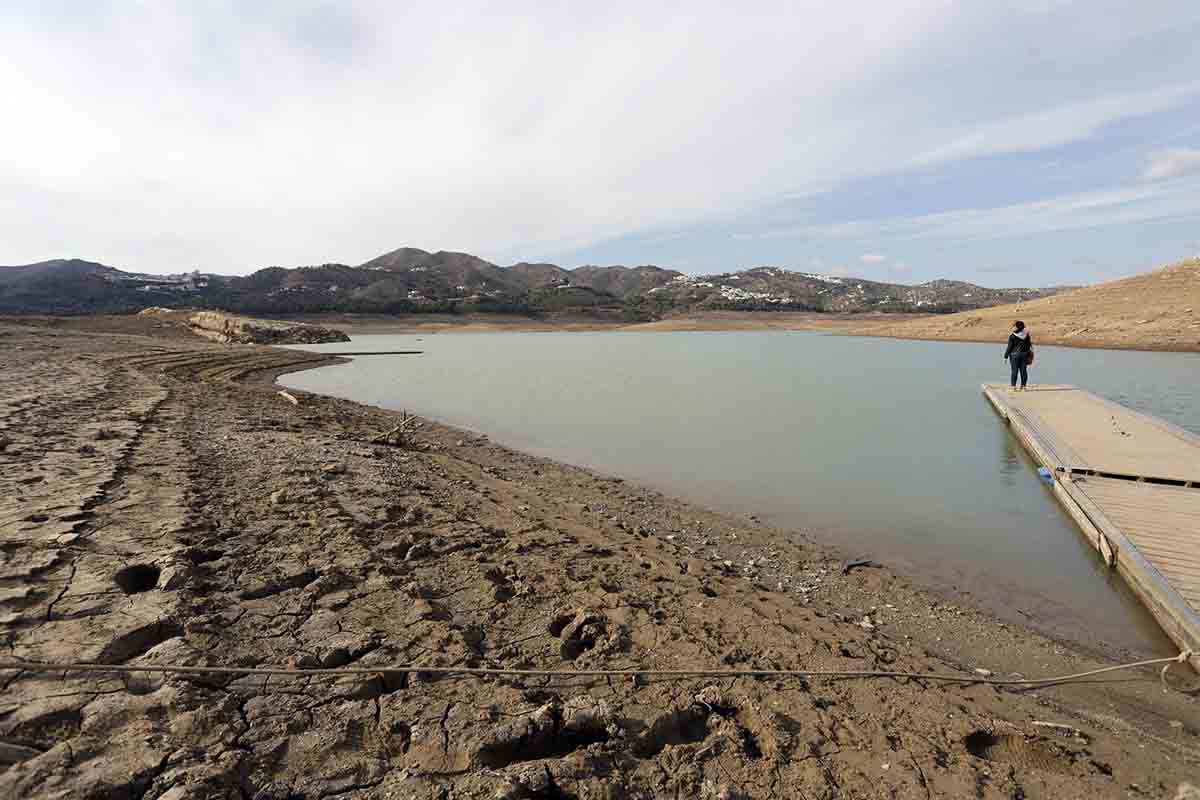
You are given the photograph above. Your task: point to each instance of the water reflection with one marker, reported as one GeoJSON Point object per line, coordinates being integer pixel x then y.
{"type": "Point", "coordinates": [1012, 464]}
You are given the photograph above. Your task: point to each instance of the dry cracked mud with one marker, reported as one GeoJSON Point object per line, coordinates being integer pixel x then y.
{"type": "Point", "coordinates": [160, 504]}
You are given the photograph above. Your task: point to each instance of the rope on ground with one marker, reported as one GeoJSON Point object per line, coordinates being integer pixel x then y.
{"type": "Point", "coordinates": [674, 674]}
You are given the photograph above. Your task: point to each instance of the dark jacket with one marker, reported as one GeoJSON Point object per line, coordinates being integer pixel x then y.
{"type": "Point", "coordinates": [1018, 345]}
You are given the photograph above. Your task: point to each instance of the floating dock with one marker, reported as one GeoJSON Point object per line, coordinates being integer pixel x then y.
{"type": "Point", "coordinates": [370, 352]}
{"type": "Point", "coordinates": [1132, 484]}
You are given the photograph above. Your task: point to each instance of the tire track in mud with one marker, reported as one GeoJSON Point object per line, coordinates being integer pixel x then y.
{"type": "Point", "coordinates": [68, 453]}
{"type": "Point", "coordinates": [112, 498]}
{"type": "Point", "coordinates": [94, 572]}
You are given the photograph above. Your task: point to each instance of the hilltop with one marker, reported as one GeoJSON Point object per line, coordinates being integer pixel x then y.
{"type": "Point", "coordinates": [1158, 310]}
{"type": "Point", "coordinates": [410, 280]}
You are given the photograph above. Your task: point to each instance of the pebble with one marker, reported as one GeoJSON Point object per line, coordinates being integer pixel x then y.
{"type": "Point", "coordinates": [985, 673]}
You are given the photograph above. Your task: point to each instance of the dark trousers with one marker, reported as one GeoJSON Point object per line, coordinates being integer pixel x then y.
{"type": "Point", "coordinates": [1019, 364]}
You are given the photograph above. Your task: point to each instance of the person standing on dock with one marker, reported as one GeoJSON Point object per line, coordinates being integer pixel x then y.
{"type": "Point", "coordinates": [1019, 354]}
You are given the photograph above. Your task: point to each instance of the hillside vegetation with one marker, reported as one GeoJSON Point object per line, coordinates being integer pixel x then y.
{"type": "Point", "coordinates": [409, 280]}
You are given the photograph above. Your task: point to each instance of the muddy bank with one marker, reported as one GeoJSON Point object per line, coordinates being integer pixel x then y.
{"type": "Point", "coordinates": [161, 504]}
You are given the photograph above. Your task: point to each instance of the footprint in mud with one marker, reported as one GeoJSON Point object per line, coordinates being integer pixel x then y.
{"type": "Point", "coordinates": [711, 713]}
{"type": "Point", "coordinates": [1018, 751]}
{"type": "Point", "coordinates": [138, 641]}
{"type": "Point", "coordinates": [683, 726]}
{"type": "Point", "coordinates": [552, 731]}
{"type": "Point", "coordinates": [137, 578]}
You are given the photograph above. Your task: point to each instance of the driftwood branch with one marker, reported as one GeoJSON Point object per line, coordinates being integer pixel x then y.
{"type": "Point", "coordinates": [849, 566]}
{"type": "Point", "coordinates": [400, 434]}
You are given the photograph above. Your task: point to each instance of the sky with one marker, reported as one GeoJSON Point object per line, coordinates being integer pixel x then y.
{"type": "Point", "coordinates": [1028, 142]}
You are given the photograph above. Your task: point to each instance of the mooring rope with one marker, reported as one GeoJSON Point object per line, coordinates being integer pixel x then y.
{"type": "Point", "coordinates": [674, 674]}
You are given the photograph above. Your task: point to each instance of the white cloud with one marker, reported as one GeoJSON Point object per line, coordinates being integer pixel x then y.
{"type": "Point", "coordinates": [872, 258]}
{"type": "Point", "coordinates": [1173, 163]}
{"type": "Point", "coordinates": [163, 136]}
{"type": "Point", "coordinates": [1058, 126]}
{"type": "Point", "coordinates": [1142, 204]}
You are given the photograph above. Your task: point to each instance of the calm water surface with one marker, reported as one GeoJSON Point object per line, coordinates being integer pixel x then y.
{"type": "Point", "coordinates": [884, 447]}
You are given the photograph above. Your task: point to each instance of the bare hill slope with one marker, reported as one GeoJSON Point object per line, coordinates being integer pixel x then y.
{"type": "Point", "coordinates": [1159, 310]}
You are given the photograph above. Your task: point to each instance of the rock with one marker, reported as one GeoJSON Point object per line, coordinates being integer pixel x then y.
{"type": "Point", "coordinates": [276, 790]}
{"type": "Point", "coordinates": [423, 609]}
{"type": "Point", "coordinates": [418, 551]}
{"type": "Point", "coordinates": [175, 577]}
{"type": "Point", "coordinates": [280, 497]}
{"type": "Point", "coordinates": [983, 673]}
{"type": "Point", "coordinates": [582, 633]}
{"type": "Point", "coordinates": [289, 576]}
{"type": "Point", "coordinates": [587, 718]}
{"type": "Point", "coordinates": [14, 753]}
{"type": "Point", "coordinates": [719, 791]}
{"type": "Point", "coordinates": [1187, 791]}
{"type": "Point", "coordinates": [331, 581]}
{"type": "Point", "coordinates": [231, 329]}
{"type": "Point", "coordinates": [713, 697]}
{"type": "Point", "coordinates": [415, 590]}
{"type": "Point", "coordinates": [850, 650]}
{"type": "Point", "coordinates": [534, 780]}
{"type": "Point", "coordinates": [395, 548]}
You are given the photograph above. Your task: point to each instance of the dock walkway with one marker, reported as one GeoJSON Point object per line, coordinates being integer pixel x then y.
{"type": "Point", "coordinates": [1132, 484]}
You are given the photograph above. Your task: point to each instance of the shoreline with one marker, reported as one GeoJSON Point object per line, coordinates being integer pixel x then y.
{"type": "Point", "coordinates": [925, 581]}
{"type": "Point", "coordinates": [1042, 340]}
{"type": "Point", "coordinates": [292, 536]}
{"type": "Point", "coordinates": [881, 326]}
{"type": "Point", "coordinates": [942, 584]}
{"type": "Point", "coordinates": [431, 324]}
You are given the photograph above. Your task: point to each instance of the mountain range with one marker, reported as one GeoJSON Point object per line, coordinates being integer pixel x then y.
{"type": "Point", "coordinates": [410, 280]}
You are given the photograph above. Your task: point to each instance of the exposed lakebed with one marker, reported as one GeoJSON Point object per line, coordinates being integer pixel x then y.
{"type": "Point", "coordinates": [885, 448]}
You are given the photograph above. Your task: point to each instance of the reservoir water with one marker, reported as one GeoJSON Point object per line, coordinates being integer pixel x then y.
{"type": "Point", "coordinates": [885, 448]}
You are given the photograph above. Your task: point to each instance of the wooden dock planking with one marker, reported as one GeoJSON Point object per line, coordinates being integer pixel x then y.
{"type": "Point", "coordinates": [1110, 438]}
{"type": "Point", "coordinates": [1156, 520]}
{"type": "Point", "coordinates": [1132, 484]}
